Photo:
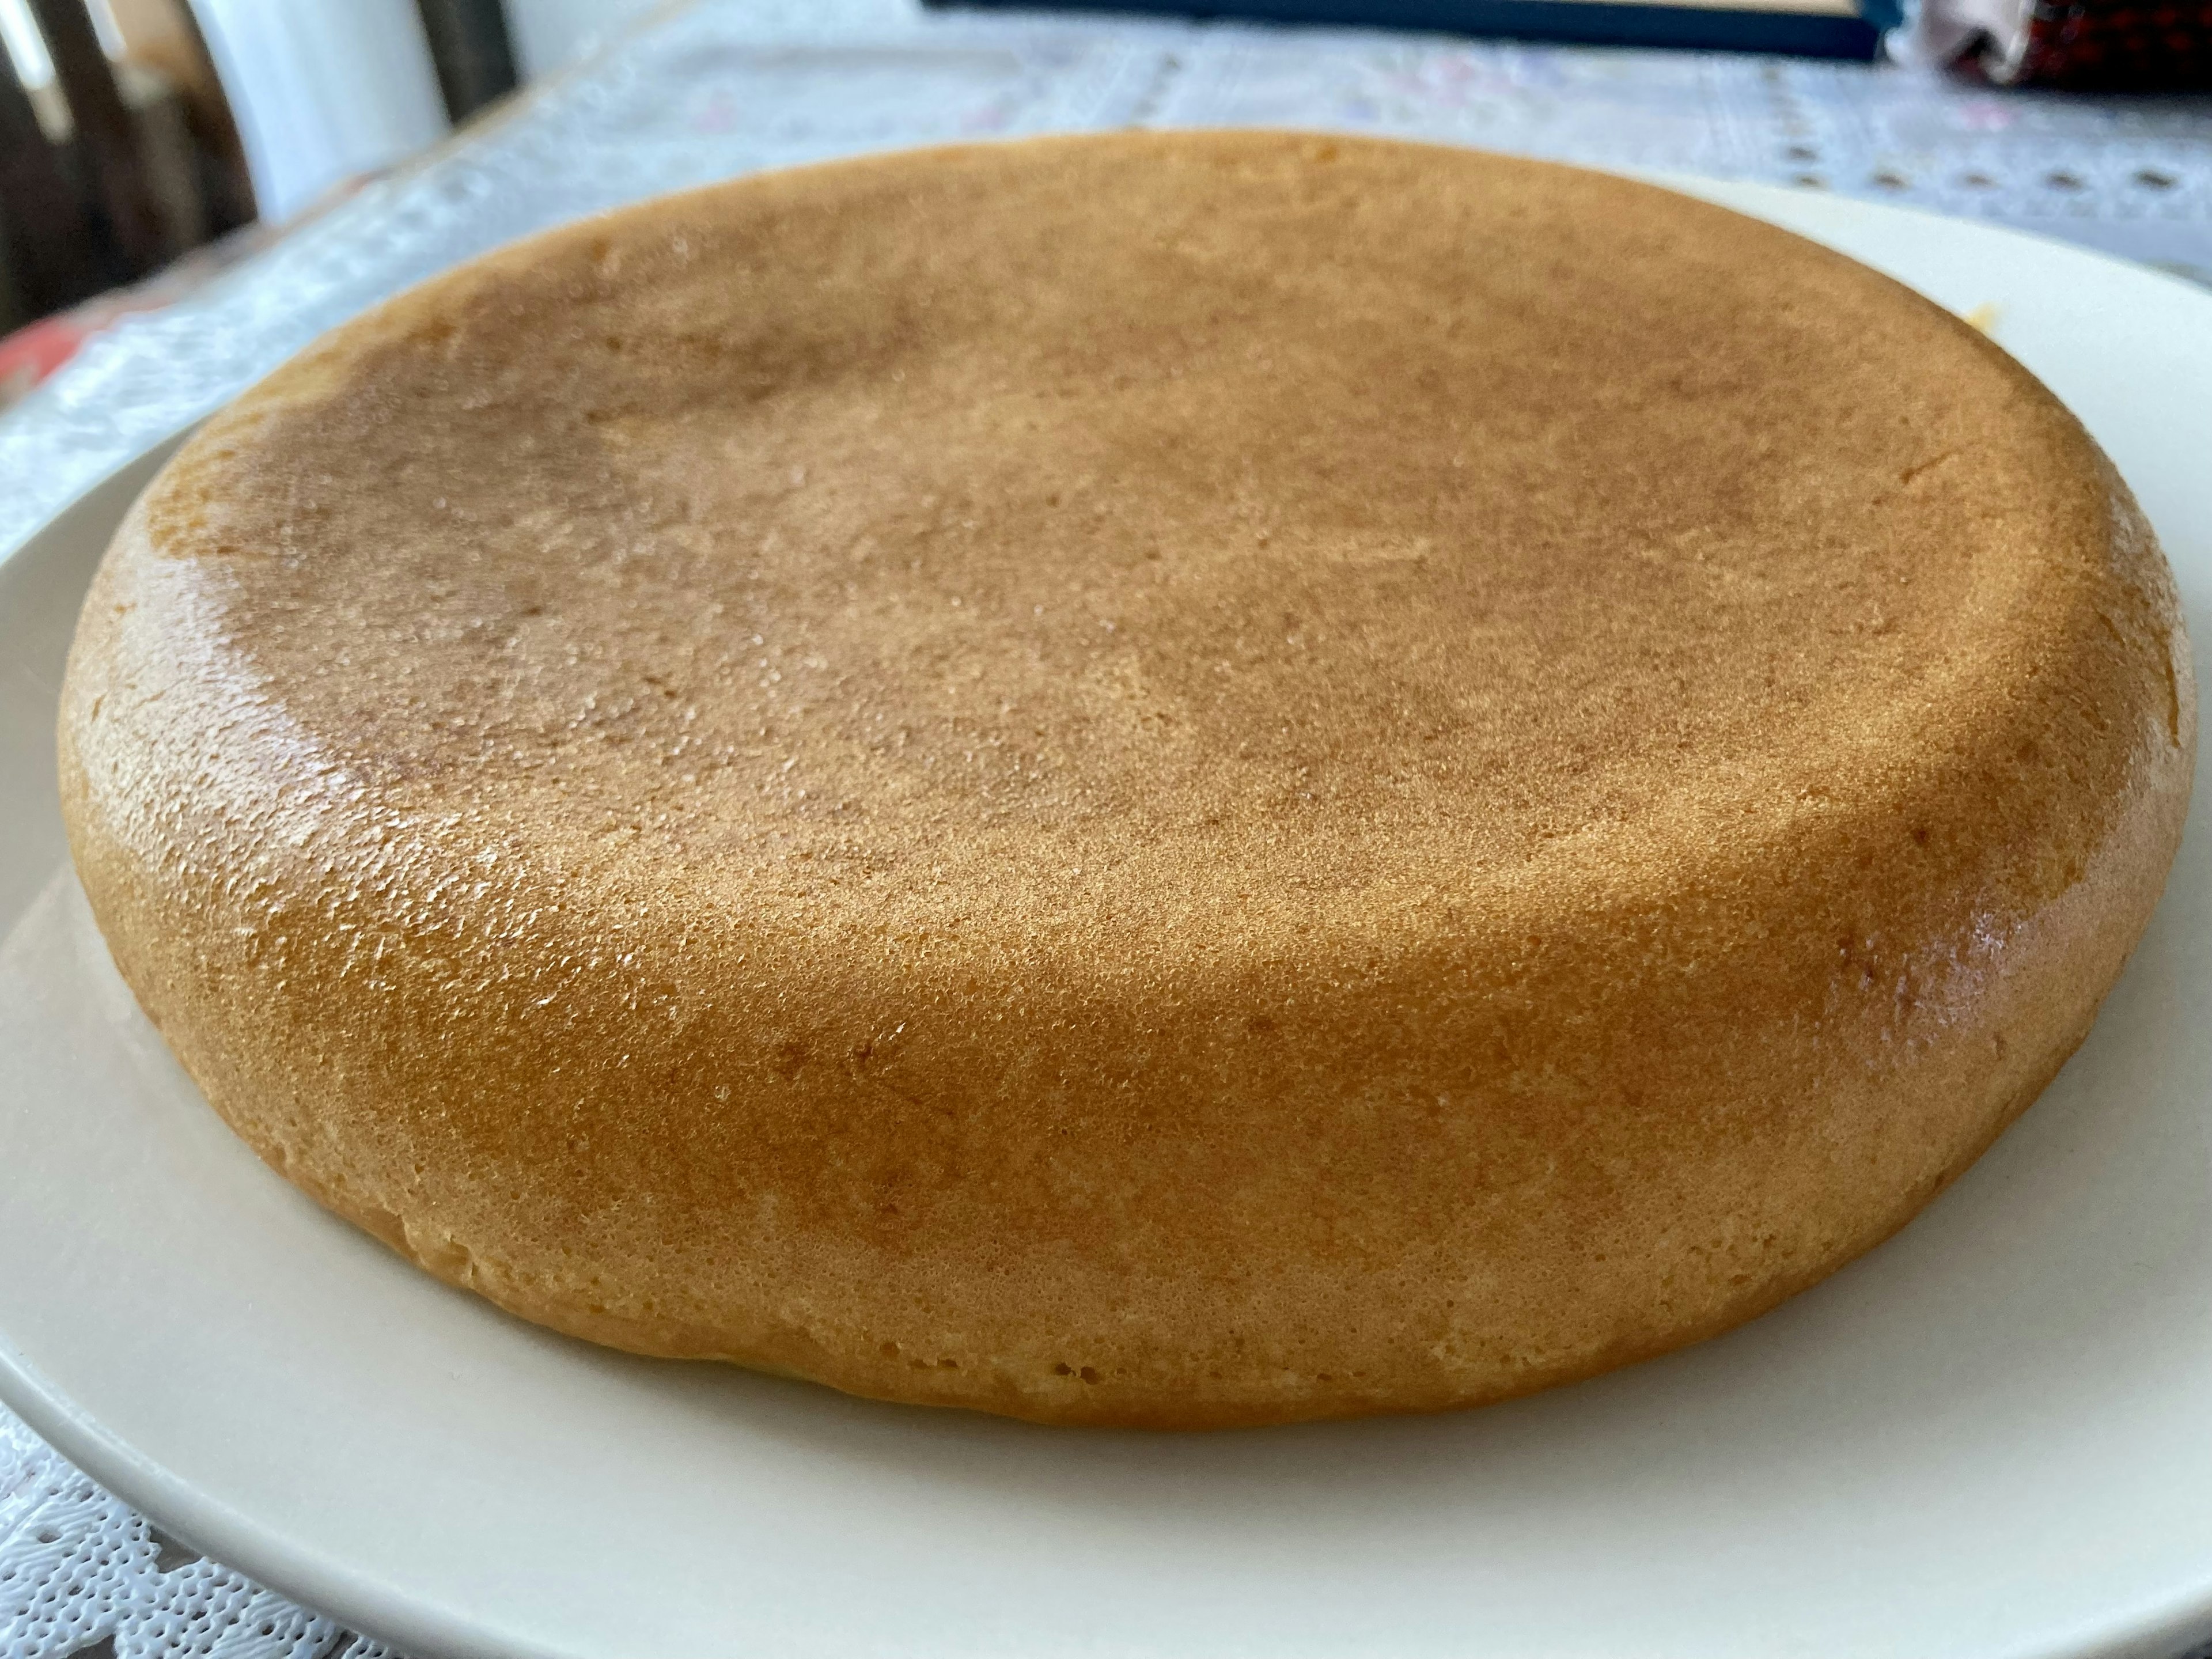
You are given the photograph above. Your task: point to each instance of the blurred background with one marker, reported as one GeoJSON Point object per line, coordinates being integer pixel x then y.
{"type": "Point", "coordinates": [147, 145]}
{"type": "Point", "coordinates": [134, 134]}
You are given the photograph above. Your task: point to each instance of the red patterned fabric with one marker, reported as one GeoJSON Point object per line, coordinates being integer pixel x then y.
{"type": "Point", "coordinates": [2116, 44]}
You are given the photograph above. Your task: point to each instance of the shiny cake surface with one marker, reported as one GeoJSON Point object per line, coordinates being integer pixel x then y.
{"type": "Point", "coordinates": [1183, 780]}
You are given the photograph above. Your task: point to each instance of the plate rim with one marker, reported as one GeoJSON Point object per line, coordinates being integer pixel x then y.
{"type": "Point", "coordinates": [359, 1600]}
{"type": "Point", "coordinates": [221, 1533]}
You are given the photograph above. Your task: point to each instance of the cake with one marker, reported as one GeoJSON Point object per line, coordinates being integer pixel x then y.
{"type": "Point", "coordinates": [1163, 780]}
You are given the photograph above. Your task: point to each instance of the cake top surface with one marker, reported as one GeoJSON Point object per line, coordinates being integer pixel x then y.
{"type": "Point", "coordinates": [1247, 532]}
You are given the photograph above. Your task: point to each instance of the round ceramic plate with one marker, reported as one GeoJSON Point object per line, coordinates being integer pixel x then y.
{"type": "Point", "coordinates": [1988, 1438]}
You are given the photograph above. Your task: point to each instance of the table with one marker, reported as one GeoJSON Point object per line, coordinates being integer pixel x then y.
{"type": "Point", "coordinates": [730, 86]}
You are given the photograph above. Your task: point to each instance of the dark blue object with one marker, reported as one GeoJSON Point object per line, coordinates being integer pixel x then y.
{"type": "Point", "coordinates": [1596, 22]}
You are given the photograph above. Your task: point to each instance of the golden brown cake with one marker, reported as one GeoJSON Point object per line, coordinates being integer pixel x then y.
{"type": "Point", "coordinates": [1170, 780]}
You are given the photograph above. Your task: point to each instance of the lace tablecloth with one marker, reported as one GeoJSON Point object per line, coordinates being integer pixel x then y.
{"type": "Point", "coordinates": [722, 89]}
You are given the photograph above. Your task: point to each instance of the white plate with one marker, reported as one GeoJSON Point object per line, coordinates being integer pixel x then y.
{"type": "Point", "coordinates": [1992, 1437]}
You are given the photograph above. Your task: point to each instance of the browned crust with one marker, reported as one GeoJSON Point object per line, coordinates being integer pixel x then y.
{"type": "Point", "coordinates": [1481, 1027]}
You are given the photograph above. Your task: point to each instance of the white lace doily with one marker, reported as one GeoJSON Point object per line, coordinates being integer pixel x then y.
{"type": "Point", "coordinates": [726, 87]}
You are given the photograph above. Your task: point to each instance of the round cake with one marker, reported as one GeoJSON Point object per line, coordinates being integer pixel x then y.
{"type": "Point", "coordinates": [1170, 780]}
